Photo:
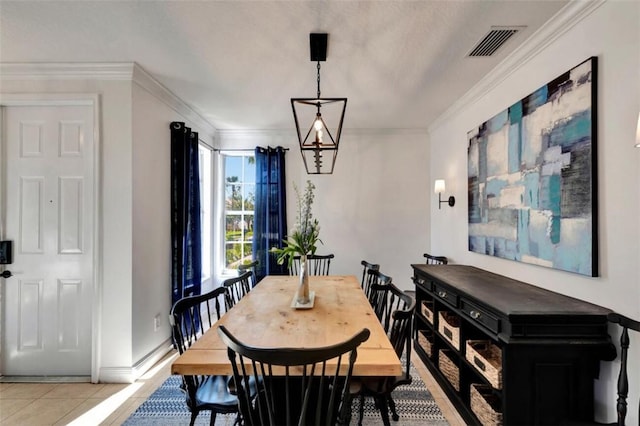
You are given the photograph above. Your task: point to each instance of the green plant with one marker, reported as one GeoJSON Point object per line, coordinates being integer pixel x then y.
{"type": "Point", "coordinates": [304, 236]}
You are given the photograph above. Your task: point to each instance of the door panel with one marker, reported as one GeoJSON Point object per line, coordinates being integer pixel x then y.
{"type": "Point", "coordinates": [48, 173]}
{"type": "Point", "coordinates": [30, 214]}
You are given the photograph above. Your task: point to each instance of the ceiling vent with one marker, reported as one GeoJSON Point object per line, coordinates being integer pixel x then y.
{"type": "Point", "coordinates": [494, 40]}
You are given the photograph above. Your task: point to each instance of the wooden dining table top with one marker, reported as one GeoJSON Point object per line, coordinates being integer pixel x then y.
{"type": "Point", "coordinates": [265, 318]}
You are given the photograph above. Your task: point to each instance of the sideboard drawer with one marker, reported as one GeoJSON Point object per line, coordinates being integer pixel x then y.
{"type": "Point", "coordinates": [480, 315]}
{"type": "Point", "coordinates": [423, 282]}
{"type": "Point", "coordinates": [446, 294]}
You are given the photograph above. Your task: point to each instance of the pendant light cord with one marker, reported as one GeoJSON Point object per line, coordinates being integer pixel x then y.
{"type": "Point", "coordinates": [318, 79]}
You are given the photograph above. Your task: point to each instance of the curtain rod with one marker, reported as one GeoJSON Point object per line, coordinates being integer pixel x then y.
{"type": "Point", "coordinates": [241, 149]}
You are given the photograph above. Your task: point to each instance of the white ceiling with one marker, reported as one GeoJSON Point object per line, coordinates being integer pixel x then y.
{"type": "Point", "coordinates": [400, 63]}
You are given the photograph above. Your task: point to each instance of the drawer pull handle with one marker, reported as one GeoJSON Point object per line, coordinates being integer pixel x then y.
{"type": "Point", "coordinates": [475, 314]}
{"type": "Point", "coordinates": [442, 294]}
{"type": "Point", "coordinates": [447, 333]}
{"type": "Point", "coordinates": [479, 364]}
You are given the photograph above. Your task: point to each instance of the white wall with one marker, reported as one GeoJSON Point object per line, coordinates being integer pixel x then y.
{"type": "Point", "coordinates": [151, 285]}
{"type": "Point", "coordinates": [153, 111]}
{"type": "Point", "coordinates": [373, 207]}
{"type": "Point", "coordinates": [612, 33]}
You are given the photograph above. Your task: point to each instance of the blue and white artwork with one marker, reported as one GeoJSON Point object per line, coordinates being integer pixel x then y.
{"type": "Point", "coordinates": [532, 181]}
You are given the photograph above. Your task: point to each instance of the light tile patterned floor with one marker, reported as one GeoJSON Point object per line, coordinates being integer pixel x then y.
{"type": "Point", "coordinates": [80, 404]}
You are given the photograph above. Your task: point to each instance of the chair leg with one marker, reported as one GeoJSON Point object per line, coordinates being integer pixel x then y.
{"type": "Point", "coordinates": [194, 414]}
{"type": "Point", "coordinates": [212, 422]}
{"type": "Point", "coordinates": [384, 411]}
{"type": "Point", "coordinates": [361, 410]}
{"type": "Point", "coordinates": [392, 406]}
{"type": "Point", "coordinates": [344, 416]}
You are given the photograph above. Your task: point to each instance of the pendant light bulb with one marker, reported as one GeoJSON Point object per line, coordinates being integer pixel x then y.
{"type": "Point", "coordinates": [317, 125]}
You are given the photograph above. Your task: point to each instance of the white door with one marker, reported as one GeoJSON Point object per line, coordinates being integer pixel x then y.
{"type": "Point", "coordinates": [47, 180]}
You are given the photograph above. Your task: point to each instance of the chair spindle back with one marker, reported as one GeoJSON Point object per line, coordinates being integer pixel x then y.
{"type": "Point", "coordinates": [294, 386]}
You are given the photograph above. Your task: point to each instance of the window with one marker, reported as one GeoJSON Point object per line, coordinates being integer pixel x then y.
{"type": "Point", "coordinates": [239, 194]}
{"type": "Point", "coordinates": [206, 216]}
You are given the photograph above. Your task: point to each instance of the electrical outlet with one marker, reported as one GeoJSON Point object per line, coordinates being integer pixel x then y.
{"type": "Point", "coordinates": [156, 322]}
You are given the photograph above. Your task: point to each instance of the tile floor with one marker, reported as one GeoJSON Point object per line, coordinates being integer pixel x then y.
{"type": "Point", "coordinates": [76, 404]}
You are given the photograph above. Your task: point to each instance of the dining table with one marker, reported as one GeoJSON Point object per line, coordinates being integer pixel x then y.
{"type": "Point", "coordinates": [268, 317]}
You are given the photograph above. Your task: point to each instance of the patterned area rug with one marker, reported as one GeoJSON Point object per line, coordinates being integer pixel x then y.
{"type": "Point", "coordinates": [166, 406]}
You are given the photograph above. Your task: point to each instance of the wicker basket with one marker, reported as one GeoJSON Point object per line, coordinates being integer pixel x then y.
{"type": "Point", "coordinates": [426, 308]}
{"type": "Point", "coordinates": [449, 368]}
{"type": "Point", "coordinates": [487, 359]}
{"type": "Point", "coordinates": [449, 327]}
{"type": "Point", "coordinates": [425, 340]}
{"type": "Point", "coordinates": [485, 405]}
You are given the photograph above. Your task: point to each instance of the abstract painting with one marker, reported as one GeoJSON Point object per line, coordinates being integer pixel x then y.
{"type": "Point", "coordinates": [532, 177]}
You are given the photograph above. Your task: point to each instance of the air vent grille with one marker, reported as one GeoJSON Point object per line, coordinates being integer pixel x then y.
{"type": "Point", "coordinates": [494, 40]}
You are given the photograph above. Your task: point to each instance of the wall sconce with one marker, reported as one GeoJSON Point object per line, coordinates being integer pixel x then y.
{"type": "Point", "coordinates": [638, 133]}
{"type": "Point", "coordinates": [439, 188]}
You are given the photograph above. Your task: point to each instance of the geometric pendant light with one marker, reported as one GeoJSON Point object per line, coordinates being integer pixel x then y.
{"type": "Point", "coordinates": [321, 119]}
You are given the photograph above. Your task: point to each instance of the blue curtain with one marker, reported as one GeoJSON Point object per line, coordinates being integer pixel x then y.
{"type": "Point", "coordinates": [185, 213]}
{"type": "Point", "coordinates": [270, 214]}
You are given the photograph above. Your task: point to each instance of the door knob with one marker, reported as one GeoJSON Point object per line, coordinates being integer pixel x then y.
{"type": "Point", "coordinates": [6, 274]}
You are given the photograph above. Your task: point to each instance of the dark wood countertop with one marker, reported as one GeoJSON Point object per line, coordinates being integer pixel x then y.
{"type": "Point", "coordinates": [508, 296]}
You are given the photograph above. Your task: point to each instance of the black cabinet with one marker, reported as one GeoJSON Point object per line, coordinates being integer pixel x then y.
{"type": "Point", "coordinates": [505, 351]}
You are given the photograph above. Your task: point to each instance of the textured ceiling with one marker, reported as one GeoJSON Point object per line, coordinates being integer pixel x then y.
{"type": "Point", "coordinates": [400, 63]}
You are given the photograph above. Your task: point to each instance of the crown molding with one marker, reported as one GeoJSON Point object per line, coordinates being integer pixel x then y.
{"type": "Point", "coordinates": [66, 70]}
{"type": "Point", "coordinates": [195, 119]}
{"type": "Point", "coordinates": [238, 133]}
{"type": "Point", "coordinates": [385, 131]}
{"type": "Point", "coordinates": [122, 71]}
{"type": "Point", "coordinates": [566, 18]}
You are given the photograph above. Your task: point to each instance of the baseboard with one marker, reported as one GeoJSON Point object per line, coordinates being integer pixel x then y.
{"type": "Point", "coordinates": [149, 360]}
{"type": "Point", "coordinates": [131, 374]}
{"type": "Point", "coordinates": [45, 379]}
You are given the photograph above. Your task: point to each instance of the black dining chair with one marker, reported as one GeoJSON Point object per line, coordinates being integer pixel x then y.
{"type": "Point", "coordinates": [435, 260]}
{"type": "Point", "coordinates": [396, 309]}
{"type": "Point", "coordinates": [295, 386]}
{"type": "Point", "coordinates": [251, 267]}
{"type": "Point", "coordinates": [377, 299]}
{"type": "Point", "coordinates": [294, 266]}
{"type": "Point", "coordinates": [366, 267]}
{"type": "Point", "coordinates": [237, 288]}
{"type": "Point", "coordinates": [190, 318]}
{"type": "Point", "coordinates": [319, 264]}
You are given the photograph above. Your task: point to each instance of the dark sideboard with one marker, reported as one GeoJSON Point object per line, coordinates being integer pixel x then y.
{"type": "Point", "coordinates": [507, 352]}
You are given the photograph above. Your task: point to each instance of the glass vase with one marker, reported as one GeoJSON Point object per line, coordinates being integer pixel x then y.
{"type": "Point", "coordinates": [303, 287]}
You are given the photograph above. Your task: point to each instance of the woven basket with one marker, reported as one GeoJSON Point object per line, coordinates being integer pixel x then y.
{"type": "Point", "coordinates": [485, 405]}
{"type": "Point", "coordinates": [449, 369]}
{"type": "Point", "coordinates": [449, 327]}
{"type": "Point", "coordinates": [426, 308]}
{"type": "Point", "coordinates": [425, 338]}
{"type": "Point", "coordinates": [487, 359]}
